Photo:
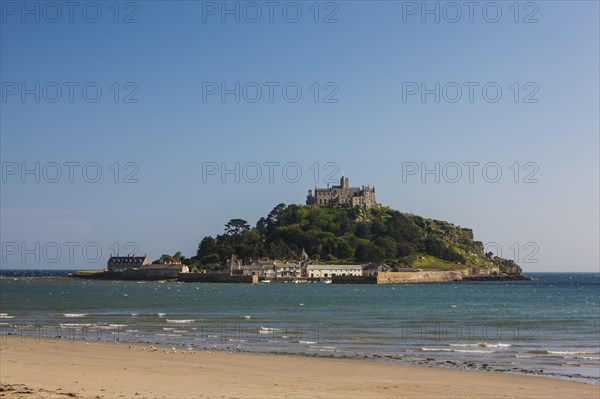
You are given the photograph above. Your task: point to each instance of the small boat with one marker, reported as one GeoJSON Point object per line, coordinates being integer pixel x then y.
{"type": "Point", "coordinates": [266, 281]}
{"type": "Point", "coordinates": [328, 281]}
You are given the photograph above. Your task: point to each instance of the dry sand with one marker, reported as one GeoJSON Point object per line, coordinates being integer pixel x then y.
{"type": "Point", "coordinates": [65, 369]}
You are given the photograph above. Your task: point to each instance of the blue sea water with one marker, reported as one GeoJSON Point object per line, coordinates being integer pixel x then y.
{"type": "Point", "coordinates": [549, 326]}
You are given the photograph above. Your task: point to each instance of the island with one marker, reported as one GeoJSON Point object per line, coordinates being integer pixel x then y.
{"type": "Point", "coordinates": [340, 235]}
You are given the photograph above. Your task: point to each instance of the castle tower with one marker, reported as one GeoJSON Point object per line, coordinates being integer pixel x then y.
{"type": "Point", "coordinates": [344, 182]}
{"type": "Point", "coordinates": [310, 199]}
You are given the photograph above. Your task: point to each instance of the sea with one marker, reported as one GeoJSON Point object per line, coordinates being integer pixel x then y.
{"type": "Point", "coordinates": [549, 326]}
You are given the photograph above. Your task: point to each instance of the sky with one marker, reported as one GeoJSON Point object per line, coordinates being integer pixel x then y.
{"type": "Point", "coordinates": [144, 126]}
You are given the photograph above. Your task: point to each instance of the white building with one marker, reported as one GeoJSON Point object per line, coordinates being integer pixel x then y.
{"type": "Point", "coordinates": [328, 271]}
{"type": "Point", "coordinates": [273, 269]}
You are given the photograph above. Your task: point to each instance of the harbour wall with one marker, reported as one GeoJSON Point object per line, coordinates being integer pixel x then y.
{"type": "Point", "coordinates": [353, 280]}
{"type": "Point", "coordinates": [215, 278]}
{"type": "Point", "coordinates": [435, 276]}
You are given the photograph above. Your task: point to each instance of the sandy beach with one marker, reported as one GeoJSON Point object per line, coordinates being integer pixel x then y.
{"type": "Point", "coordinates": [64, 368]}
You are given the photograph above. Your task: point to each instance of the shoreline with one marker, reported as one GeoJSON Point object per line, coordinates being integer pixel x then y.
{"type": "Point", "coordinates": [429, 363]}
{"type": "Point", "coordinates": [207, 278]}
{"type": "Point", "coordinates": [100, 369]}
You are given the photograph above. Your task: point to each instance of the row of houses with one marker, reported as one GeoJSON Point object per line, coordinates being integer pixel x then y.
{"type": "Point", "coordinates": [303, 269]}
{"type": "Point", "coordinates": [140, 266]}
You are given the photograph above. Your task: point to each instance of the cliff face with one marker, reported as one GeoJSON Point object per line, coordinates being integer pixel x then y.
{"type": "Point", "coordinates": [508, 266]}
{"type": "Point", "coordinates": [462, 253]}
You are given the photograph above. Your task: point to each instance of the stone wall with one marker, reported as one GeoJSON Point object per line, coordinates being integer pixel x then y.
{"type": "Point", "coordinates": [135, 275]}
{"type": "Point", "coordinates": [353, 280]}
{"type": "Point", "coordinates": [434, 276]}
{"type": "Point", "coordinates": [215, 278]}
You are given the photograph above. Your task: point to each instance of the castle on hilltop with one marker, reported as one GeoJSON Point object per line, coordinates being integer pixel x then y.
{"type": "Point", "coordinates": [362, 197]}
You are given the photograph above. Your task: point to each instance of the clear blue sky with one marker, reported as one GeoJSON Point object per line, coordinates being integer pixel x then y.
{"type": "Point", "coordinates": [370, 57]}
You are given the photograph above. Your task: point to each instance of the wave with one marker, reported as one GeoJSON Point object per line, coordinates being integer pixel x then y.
{"type": "Point", "coordinates": [436, 350]}
{"type": "Point", "coordinates": [184, 321]}
{"type": "Point", "coordinates": [268, 329]}
{"type": "Point", "coordinates": [73, 315]}
{"type": "Point", "coordinates": [482, 345]}
{"type": "Point", "coordinates": [173, 329]}
{"type": "Point", "coordinates": [111, 326]}
{"type": "Point", "coordinates": [455, 350]}
{"type": "Point", "coordinates": [93, 325]}
{"type": "Point", "coordinates": [76, 325]}
{"type": "Point", "coordinates": [561, 353]}
{"type": "Point", "coordinates": [570, 353]}
{"type": "Point", "coordinates": [472, 351]}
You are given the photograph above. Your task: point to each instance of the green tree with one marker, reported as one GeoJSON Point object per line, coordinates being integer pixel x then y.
{"type": "Point", "coordinates": [208, 248]}
{"type": "Point", "coordinates": [342, 233]}
{"type": "Point", "coordinates": [236, 227]}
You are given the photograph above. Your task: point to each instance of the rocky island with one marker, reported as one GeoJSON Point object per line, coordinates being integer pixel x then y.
{"type": "Point", "coordinates": [341, 235]}
{"type": "Point", "coordinates": [343, 225]}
